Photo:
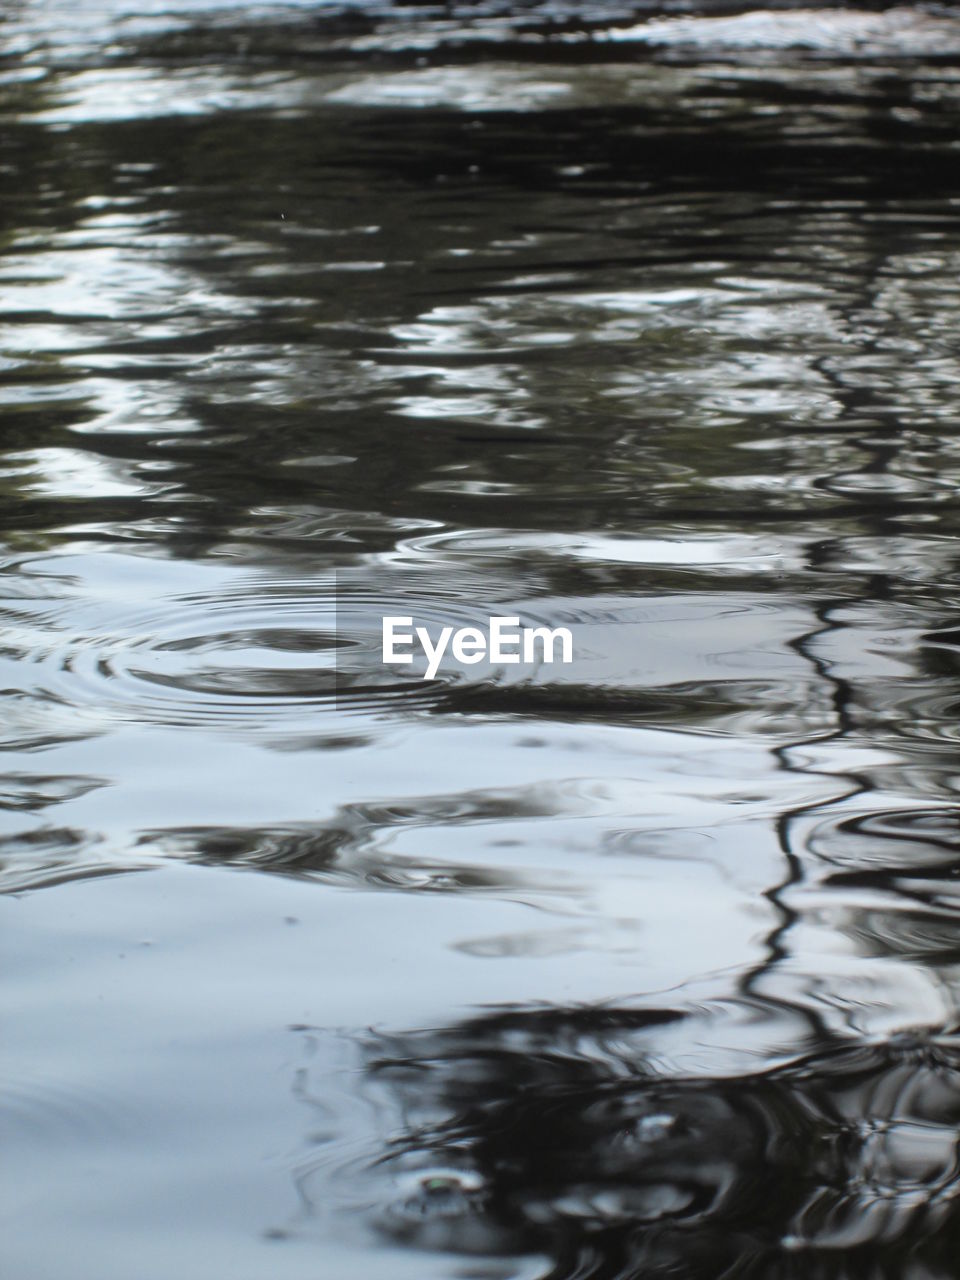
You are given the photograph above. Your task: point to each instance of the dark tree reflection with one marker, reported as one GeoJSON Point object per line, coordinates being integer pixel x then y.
{"type": "Point", "coordinates": [558, 1133]}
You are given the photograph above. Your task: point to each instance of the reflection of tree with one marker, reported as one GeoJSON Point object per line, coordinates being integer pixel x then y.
{"type": "Point", "coordinates": [473, 213]}
{"type": "Point", "coordinates": [853, 842]}
{"type": "Point", "coordinates": [554, 1132]}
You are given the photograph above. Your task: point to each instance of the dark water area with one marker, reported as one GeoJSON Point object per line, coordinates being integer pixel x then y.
{"type": "Point", "coordinates": [641, 319]}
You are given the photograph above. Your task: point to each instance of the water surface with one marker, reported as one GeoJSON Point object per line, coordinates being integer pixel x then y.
{"type": "Point", "coordinates": [641, 319]}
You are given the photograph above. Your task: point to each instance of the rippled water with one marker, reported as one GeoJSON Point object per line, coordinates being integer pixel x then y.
{"type": "Point", "coordinates": [640, 318]}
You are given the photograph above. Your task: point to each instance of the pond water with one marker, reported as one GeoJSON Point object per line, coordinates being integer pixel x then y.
{"type": "Point", "coordinates": [641, 320]}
